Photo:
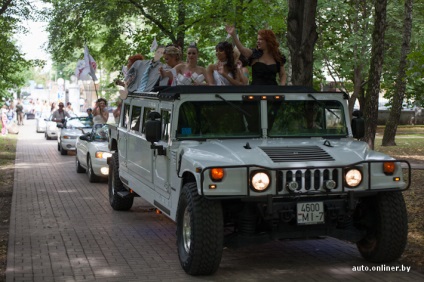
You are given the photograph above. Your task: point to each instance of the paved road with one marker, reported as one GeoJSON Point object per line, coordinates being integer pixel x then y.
{"type": "Point", "coordinates": [63, 229]}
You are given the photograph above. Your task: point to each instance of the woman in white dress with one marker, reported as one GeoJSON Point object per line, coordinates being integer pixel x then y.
{"type": "Point", "coordinates": [224, 72]}
{"type": "Point", "coordinates": [189, 73]}
{"type": "Point", "coordinates": [100, 112]}
{"type": "Point", "coordinates": [172, 56]}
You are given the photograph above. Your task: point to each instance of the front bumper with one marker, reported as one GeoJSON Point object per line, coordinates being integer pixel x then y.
{"type": "Point", "coordinates": [100, 167]}
{"type": "Point", "coordinates": [69, 144]}
{"type": "Point", "coordinates": [310, 181]}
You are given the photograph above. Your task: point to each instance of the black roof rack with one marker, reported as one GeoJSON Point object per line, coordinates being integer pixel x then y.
{"type": "Point", "coordinates": [173, 92]}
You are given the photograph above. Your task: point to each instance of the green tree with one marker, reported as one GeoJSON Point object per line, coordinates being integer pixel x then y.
{"type": "Point", "coordinates": [400, 87]}
{"type": "Point", "coordinates": [301, 37]}
{"type": "Point", "coordinates": [376, 66]}
{"type": "Point", "coordinates": [12, 62]}
{"type": "Point", "coordinates": [344, 45]}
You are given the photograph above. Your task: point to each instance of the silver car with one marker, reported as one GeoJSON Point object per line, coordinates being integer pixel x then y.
{"type": "Point", "coordinates": [92, 153]}
{"type": "Point", "coordinates": [51, 129]}
{"type": "Point", "coordinates": [70, 130]}
{"type": "Point", "coordinates": [41, 122]}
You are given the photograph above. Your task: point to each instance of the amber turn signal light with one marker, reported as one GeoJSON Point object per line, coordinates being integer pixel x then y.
{"type": "Point", "coordinates": [389, 167]}
{"type": "Point", "coordinates": [217, 174]}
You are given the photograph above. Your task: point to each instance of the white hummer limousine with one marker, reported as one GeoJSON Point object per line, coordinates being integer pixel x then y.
{"type": "Point", "coordinates": [234, 165]}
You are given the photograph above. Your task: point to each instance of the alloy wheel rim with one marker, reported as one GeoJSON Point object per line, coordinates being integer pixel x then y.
{"type": "Point", "coordinates": [186, 230]}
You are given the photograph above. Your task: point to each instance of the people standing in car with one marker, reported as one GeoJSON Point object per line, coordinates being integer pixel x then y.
{"type": "Point", "coordinates": [100, 112]}
{"type": "Point", "coordinates": [60, 114]}
{"type": "Point", "coordinates": [266, 59]}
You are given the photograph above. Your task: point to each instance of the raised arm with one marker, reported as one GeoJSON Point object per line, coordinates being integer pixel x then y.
{"type": "Point", "coordinates": [231, 30]}
{"type": "Point", "coordinates": [209, 74]}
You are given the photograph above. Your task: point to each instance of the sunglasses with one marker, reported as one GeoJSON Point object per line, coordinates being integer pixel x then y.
{"type": "Point", "coordinates": [61, 105]}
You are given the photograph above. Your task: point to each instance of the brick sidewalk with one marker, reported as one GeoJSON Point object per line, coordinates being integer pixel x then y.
{"type": "Point", "coordinates": [62, 228]}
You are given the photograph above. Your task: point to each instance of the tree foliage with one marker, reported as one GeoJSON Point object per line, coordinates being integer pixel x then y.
{"type": "Point", "coordinates": [12, 62]}
{"type": "Point", "coordinates": [116, 29]}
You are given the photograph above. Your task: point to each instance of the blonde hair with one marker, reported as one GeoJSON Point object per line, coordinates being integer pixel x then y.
{"type": "Point", "coordinates": [173, 51]}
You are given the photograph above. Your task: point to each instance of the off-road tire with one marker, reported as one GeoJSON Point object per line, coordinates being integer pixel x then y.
{"type": "Point", "coordinates": [92, 178]}
{"type": "Point", "coordinates": [386, 224]}
{"type": "Point", "coordinates": [200, 231]}
{"type": "Point", "coordinates": [80, 169]}
{"type": "Point", "coordinates": [63, 152]}
{"type": "Point", "coordinates": [115, 185]}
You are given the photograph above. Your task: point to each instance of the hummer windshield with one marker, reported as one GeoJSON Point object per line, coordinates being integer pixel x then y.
{"type": "Point", "coordinates": [219, 119]}
{"type": "Point", "coordinates": [306, 118]}
{"type": "Point", "coordinates": [242, 119]}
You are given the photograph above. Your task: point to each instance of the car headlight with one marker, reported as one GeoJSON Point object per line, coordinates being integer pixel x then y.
{"type": "Point", "coordinates": [353, 177]}
{"type": "Point", "coordinates": [103, 155]}
{"type": "Point", "coordinates": [66, 137]}
{"type": "Point", "coordinates": [260, 181]}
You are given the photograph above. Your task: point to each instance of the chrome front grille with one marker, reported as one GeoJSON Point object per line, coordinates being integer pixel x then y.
{"type": "Point", "coordinates": [310, 180]}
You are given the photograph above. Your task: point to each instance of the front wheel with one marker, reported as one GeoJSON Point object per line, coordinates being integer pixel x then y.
{"type": "Point", "coordinates": [91, 176]}
{"type": "Point", "coordinates": [63, 152]}
{"type": "Point", "coordinates": [384, 217]}
{"type": "Point", "coordinates": [200, 231]}
{"type": "Point", "coordinates": [80, 169]}
{"type": "Point", "coordinates": [115, 185]}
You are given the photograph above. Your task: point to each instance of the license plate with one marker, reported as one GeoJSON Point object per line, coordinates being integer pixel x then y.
{"type": "Point", "coordinates": [310, 213]}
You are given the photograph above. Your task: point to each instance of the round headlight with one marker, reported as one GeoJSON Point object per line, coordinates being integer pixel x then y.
{"type": "Point", "coordinates": [353, 177]}
{"type": "Point", "coordinates": [260, 181]}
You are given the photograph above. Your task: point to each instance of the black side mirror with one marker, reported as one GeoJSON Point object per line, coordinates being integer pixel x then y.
{"type": "Point", "coordinates": [358, 125]}
{"type": "Point", "coordinates": [86, 137]}
{"type": "Point", "coordinates": [59, 125]}
{"type": "Point", "coordinates": [153, 128]}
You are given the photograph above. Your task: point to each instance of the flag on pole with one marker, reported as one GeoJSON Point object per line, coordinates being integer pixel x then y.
{"type": "Point", "coordinates": [79, 69]}
{"type": "Point", "coordinates": [154, 45]}
{"type": "Point", "coordinates": [90, 64]}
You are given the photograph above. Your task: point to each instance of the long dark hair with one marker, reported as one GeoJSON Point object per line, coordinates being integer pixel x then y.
{"type": "Point", "coordinates": [228, 49]}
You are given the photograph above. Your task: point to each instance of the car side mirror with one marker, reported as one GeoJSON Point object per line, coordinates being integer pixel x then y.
{"type": "Point", "coordinates": [153, 131]}
{"type": "Point", "coordinates": [86, 137]}
{"type": "Point", "coordinates": [358, 125]}
{"type": "Point", "coordinates": [59, 125]}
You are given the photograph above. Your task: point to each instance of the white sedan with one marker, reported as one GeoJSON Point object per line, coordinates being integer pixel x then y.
{"type": "Point", "coordinates": [41, 122]}
{"type": "Point", "coordinates": [70, 130]}
{"type": "Point", "coordinates": [51, 128]}
{"type": "Point", "coordinates": [92, 153]}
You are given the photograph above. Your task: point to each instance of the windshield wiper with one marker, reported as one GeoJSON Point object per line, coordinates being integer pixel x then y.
{"type": "Point", "coordinates": [233, 105]}
{"type": "Point", "coordinates": [323, 104]}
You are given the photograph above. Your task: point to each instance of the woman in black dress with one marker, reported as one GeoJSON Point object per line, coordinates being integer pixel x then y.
{"type": "Point", "coordinates": [266, 60]}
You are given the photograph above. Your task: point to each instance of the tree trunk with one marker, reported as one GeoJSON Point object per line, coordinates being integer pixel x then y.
{"type": "Point", "coordinates": [181, 25]}
{"type": "Point", "coordinates": [358, 88]}
{"type": "Point", "coordinates": [301, 38]}
{"type": "Point", "coordinates": [358, 53]}
{"type": "Point", "coordinates": [376, 66]}
{"type": "Point", "coordinates": [393, 121]}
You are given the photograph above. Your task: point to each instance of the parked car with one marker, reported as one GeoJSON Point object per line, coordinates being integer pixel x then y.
{"type": "Point", "coordinates": [41, 122]}
{"type": "Point", "coordinates": [70, 130]}
{"type": "Point", "coordinates": [92, 153]}
{"type": "Point", "coordinates": [51, 130]}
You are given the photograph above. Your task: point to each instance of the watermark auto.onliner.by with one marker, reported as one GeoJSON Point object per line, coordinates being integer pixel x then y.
{"type": "Point", "coordinates": [382, 267]}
